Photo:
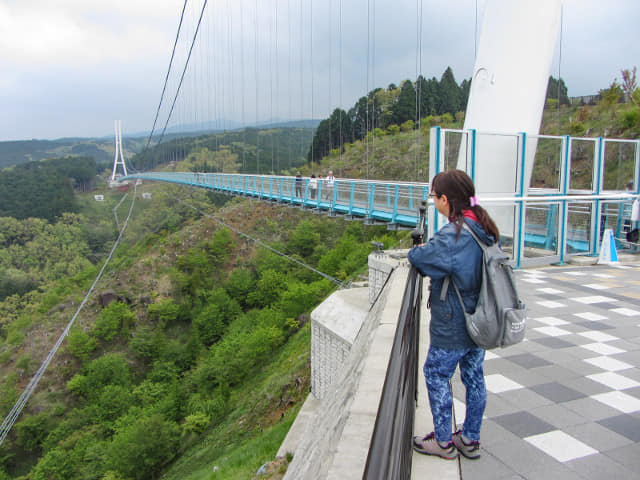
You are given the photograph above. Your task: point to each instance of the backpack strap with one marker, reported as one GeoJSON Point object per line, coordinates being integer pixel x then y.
{"type": "Point", "coordinates": [448, 279]}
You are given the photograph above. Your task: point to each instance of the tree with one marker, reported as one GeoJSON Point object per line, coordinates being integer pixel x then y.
{"type": "Point", "coordinates": [630, 86]}
{"type": "Point", "coordinates": [115, 318]}
{"type": "Point", "coordinates": [450, 93]}
{"type": "Point", "coordinates": [140, 448]}
{"type": "Point", "coordinates": [405, 107]}
{"type": "Point", "coordinates": [212, 321]}
{"type": "Point", "coordinates": [557, 90]}
{"type": "Point", "coordinates": [612, 95]}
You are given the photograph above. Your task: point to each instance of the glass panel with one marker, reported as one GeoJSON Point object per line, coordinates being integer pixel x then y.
{"type": "Point", "coordinates": [495, 149]}
{"type": "Point", "coordinates": [619, 162]}
{"type": "Point", "coordinates": [547, 163]}
{"type": "Point", "coordinates": [455, 148]}
{"type": "Point", "coordinates": [504, 216]}
{"type": "Point", "coordinates": [579, 228]}
{"type": "Point", "coordinates": [581, 163]}
{"type": "Point", "coordinates": [541, 230]}
{"type": "Point", "coordinates": [613, 217]}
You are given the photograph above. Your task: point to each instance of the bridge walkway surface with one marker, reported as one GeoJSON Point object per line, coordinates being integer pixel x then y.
{"type": "Point", "coordinates": [566, 402]}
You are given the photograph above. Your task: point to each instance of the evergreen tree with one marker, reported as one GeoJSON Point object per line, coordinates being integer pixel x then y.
{"type": "Point", "coordinates": [557, 90]}
{"type": "Point", "coordinates": [405, 107]}
{"type": "Point", "coordinates": [450, 93]}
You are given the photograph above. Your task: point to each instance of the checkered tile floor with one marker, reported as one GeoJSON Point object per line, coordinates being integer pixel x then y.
{"type": "Point", "coordinates": [566, 402]}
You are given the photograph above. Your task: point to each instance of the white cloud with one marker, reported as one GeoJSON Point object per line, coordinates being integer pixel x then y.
{"type": "Point", "coordinates": [70, 32]}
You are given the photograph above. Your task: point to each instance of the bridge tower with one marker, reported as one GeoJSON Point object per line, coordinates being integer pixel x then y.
{"type": "Point", "coordinates": [118, 159]}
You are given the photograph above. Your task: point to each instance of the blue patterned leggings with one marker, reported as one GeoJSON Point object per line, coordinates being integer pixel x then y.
{"type": "Point", "coordinates": [438, 370]}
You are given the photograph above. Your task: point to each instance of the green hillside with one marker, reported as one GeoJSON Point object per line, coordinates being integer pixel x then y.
{"type": "Point", "coordinates": [201, 360]}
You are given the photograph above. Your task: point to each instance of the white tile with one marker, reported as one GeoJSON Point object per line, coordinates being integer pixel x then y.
{"type": "Point", "coordinates": [561, 446]}
{"type": "Point", "coordinates": [497, 383]}
{"type": "Point", "coordinates": [552, 291]}
{"type": "Point", "coordinates": [594, 299]}
{"type": "Point", "coordinates": [551, 321]}
{"type": "Point", "coordinates": [552, 331]}
{"type": "Point", "coordinates": [590, 316]}
{"type": "Point", "coordinates": [550, 304]}
{"type": "Point", "coordinates": [620, 401]}
{"type": "Point", "coordinates": [597, 286]}
{"type": "Point", "coordinates": [488, 355]}
{"type": "Point", "coordinates": [533, 280]}
{"type": "Point", "coordinates": [608, 363]}
{"type": "Point", "coordinates": [603, 348]}
{"type": "Point", "coordinates": [597, 336]}
{"type": "Point", "coordinates": [613, 380]}
{"type": "Point", "coordinates": [626, 311]}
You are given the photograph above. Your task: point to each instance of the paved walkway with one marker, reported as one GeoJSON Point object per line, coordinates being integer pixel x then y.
{"type": "Point", "coordinates": [566, 402]}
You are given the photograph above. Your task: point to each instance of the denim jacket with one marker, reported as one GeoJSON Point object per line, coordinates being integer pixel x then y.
{"type": "Point", "coordinates": [461, 259]}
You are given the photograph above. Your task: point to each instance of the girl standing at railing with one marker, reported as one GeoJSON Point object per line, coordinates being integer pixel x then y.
{"type": "Point", "coordinates": [453, 252]}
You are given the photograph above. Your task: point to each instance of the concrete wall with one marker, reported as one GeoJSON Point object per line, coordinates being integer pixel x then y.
{"type": "Point", "coordinates": [330, 438]}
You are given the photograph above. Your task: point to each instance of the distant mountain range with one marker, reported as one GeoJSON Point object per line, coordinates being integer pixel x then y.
{"type": "Point", "coordinates": [102, 148]}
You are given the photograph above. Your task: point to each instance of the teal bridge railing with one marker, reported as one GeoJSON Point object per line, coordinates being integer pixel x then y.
{"type": "Point", "coordinates": [545, 224]}
{"type": "Point", "coordinates": [395, 204]}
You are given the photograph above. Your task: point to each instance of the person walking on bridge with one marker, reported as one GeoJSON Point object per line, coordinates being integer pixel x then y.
{"type": "Point", "coordinates": [453, 254]}
{"type": "Point", "coordinates": [329, 182]}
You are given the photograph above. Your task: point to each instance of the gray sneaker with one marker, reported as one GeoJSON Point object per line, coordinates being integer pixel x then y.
{"type": "Point", "coordinates": [429, 446]}
{"type": "Point", "coordinates": [469, 450]}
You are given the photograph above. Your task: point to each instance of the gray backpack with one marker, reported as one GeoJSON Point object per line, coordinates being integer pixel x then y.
{"type": "Point", "coordinates": [500, 318]}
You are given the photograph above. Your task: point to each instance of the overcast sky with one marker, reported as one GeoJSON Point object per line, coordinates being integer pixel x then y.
{"type": "Point", "coordinates": [71, 67]}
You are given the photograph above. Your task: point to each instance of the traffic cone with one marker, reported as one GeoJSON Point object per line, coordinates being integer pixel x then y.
{"type": "Point", "coordinates": [608, 252]}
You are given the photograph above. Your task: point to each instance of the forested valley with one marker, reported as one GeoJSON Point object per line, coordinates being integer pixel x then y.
{"type": "Point", "coordinates": [194, 348]}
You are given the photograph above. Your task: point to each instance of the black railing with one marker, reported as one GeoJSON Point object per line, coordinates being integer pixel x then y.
{"type": "Point", "coordinates": [390, 449]}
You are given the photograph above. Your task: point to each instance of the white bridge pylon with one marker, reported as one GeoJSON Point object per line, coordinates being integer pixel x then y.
{"type": "Point", "coordinates": [118, 159]}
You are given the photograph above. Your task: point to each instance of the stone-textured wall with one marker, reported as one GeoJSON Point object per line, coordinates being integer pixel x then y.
{"type": "Point", "coordinates": [332, 440]}
{"type": "Point", "coordinates": [328, 351]}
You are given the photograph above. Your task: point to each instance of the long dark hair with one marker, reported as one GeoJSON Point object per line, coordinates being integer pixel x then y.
{"type": "Point", "coordinates": [459, 189]}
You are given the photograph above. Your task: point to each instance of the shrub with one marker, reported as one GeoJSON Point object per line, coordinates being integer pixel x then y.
{"type": "Point", "coordinates": [139, 449]}
{"type": "Point", "coordinates": [114, 319]}
{"type": "Point", "coordinates": [164, 312]}
{"type": "Point", "coordinates": [80, 344]}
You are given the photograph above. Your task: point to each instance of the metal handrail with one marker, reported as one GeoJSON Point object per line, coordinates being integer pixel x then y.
{"type": "Point", "coordinates": [390, 452]}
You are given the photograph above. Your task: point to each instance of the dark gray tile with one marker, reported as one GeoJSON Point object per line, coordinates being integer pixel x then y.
{"type": "Point", "coordinates": [528, 360]}
{"type": "Point", "coordinates": [553, 342]}
{"type": "Point", "coordinates": [595, 325]}
{"type": "Point", "coordinates": [625, 425]}
{"type": "Point", "coordinates": [557, 392]}
{"type": "Point", "coordinates": [523, 424]}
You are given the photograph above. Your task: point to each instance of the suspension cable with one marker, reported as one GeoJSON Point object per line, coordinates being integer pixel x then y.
{"type": "Point", "coordinates": [13, 415]}
{"type": "Point", "coordinates": [333, 280]}
{"type": "Point", "coordinates": [184, 71]}
{"type": "Point", "coordinates": [166, 78]}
